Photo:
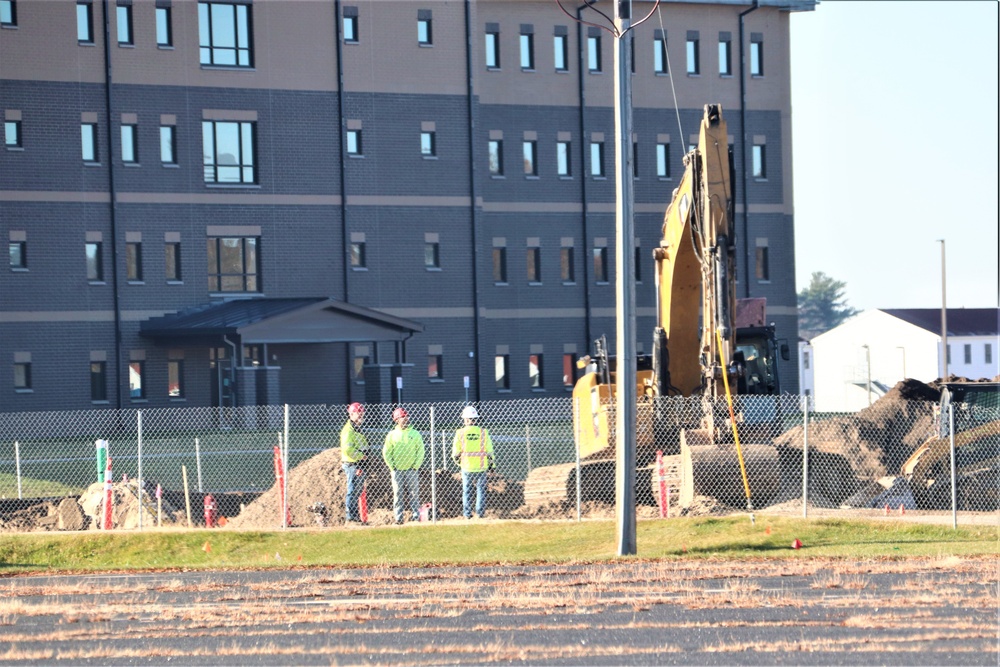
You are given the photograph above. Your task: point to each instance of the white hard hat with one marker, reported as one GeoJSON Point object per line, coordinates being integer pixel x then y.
{"type": "Point", "coordinates": [470, 413]}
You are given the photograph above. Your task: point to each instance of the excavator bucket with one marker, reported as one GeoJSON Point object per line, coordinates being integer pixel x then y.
{"type": "Point", "coordinates": [713, 469]}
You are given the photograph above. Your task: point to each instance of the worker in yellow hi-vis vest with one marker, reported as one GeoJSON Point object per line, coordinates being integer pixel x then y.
{"type": "Point", "coordinates": [472, 449]}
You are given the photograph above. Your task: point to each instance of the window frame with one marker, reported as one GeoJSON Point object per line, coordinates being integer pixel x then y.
{"type": "Point", "coordinates": [660, 60]}
{"type": "Point", "coordinates": [567, 265]}
{"type": "Point", "coordinates": [693, 51]}
{"type": "Point", "coordinates": [351, 26]}
{"type": "Point", "coordinates": [564, 159]}
{"type": "Point", "coordinates": [21, 248]}
{"type": "Point", "coordinates": [129, 143]}
{"type": "Point", "coordinates": [211, 37]}
{"type": "Point", "coordinates": [725, 57]}
{"type": "Point", "coordinates": [425, 31]}
{"type": "Point", "coordinates": [500, 276]}
{"type": "Point", "coordinates": [352, 143]}
{"type": "Point", "coordinates": [637, 265]}
{"type": "Point", "coordinates": [358, 256]}
{"type": "Point", "coordinates": [536, 382]}
{"type": "Point", "coordinates": [759, 163]}
{"type": "Point", "coordinates": [12, 128]}
{"type": "Point", "coordinates": [594, 64]}
{"type": "Point", "coordinates": [94, 253]}
{"type": "Point", "coordinates": [432, 255]}
{"type": "Point", "coordinates": [98, 382]}
{"type": "Point", "coordinates": [494, 154]}
{"type": "Point", "coordinates": [526, 44]}
{"type": "Point", "coordinates": [11, 21]}
{"type": "Point", "coordinates": [663, 160]}
{"type": "Point", "coordinates": [250, 277]}
{"type": "Point", "coordinates": [175, 371]}
{"type": "Point", "coordinates": [533, 265]}
{"type": "Point", "coordinates": [435, 367]}
{"type": "Point", "coordinates": [756, 58]}
{"type": "Point", "coordinates": [22, 383]}
{"type": "Point", "coordinates": [164, 27]}
{"type": "Point", "coordinates": [501, 380]}
{"type": "Point", "coordinates": [88, 132]}
{"type": "Point", "coordinates": [123, 24]}
{"type": "Point", "coordinates": [560, 52]}
{"type": "Point", "coordinates": [172, 261]}
{"type": "Point", "coordinates": [246, 142]}
{"type": "Point", "coordinates": [85, 23]}
{"type": "Point", "coordinates": [569, 370]}
{"type": "Point", "coordinates": [137, 372]}
{"type": "Point", "coordinates": [133, 262]}
{"type": "Point", "coordinates": [168, 138]}
{"type": "Point", "coordinates": [597, 169]}
{"type": "Point", "coordinates": [600, 258]}
{"type": "Point", "coordinates": [529, 150]}
{"type": "Point", "coordinates": [428, 143]}
{"type": "Point", "coordinates": [492, 53]}
{"type": "Point", "coordinates": [762, 264]}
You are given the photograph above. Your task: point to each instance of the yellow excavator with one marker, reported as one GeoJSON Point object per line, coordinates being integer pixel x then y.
{"type": "Point", "coordinates": [708, 347]}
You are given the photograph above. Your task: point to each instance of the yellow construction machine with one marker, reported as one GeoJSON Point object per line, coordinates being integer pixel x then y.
{"type": "Point", "coordinates": [707, 348]}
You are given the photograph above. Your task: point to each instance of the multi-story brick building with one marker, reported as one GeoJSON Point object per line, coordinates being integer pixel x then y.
{"type": "Point", "coordinates": [246, 201]}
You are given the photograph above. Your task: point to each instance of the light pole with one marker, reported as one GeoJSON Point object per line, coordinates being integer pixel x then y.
{"type": "Point", "coordinates": [944, 318]}
{"type": "Point", "coordinates": [903, 350]}
{"type": "Point", "coordinates": [868, 375]}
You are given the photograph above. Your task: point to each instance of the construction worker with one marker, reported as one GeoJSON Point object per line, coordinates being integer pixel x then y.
{"type": "Point", "coordinates": [472, 449]}
{"type": "Point", "coordinates": [404, 454]}
{"type": "Point", "coordinates": [353, 448]}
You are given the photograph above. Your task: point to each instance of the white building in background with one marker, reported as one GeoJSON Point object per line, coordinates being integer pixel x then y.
{"type": "Point", "coordinates": [852, 365]}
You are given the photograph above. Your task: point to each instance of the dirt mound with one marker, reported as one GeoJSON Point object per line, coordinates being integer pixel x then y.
{"type": "Point", "coordinates": [876, 441]}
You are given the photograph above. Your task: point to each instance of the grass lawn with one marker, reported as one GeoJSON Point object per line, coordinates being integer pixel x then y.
{"type": "Point", "coordinates": [454, 543]}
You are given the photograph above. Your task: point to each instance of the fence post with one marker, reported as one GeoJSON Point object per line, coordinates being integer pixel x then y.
{"type": "Point", "coordinates": [527, 447]}
{"type": "Point", "coordinates": [138, 479]}
{"type": "Point", "coordinates": [433, 472]}
{"type": "Point", "coordinates": [285, 512]}
{"type": "Point", "coordinates": [197, 461]}
{"type": "Point", "coordinates": [805, 456]}
{"type": "Point", "coordinates": [17, 463]}
{"type": "Point", "coordinates": [954, 469]}
{"type": "Point", "coordinates": [576, 442]}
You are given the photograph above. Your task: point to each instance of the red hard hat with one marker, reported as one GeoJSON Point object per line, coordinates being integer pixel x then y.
{"type": "Point", "coordinates": [398, 414]}
{"type": "Point", "coordinates": [355, 408]}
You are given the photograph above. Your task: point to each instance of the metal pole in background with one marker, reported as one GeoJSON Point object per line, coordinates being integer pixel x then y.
{"type": "Point", "coordinates": [954, 467]}
{"type": "Point", "coordinates": [944, 318]}
{"type": "Point", "coordinates": [527, 450]}
{"type": "Point", "coordinates": [17, 463]}
{"type": "Point", "coordinates": [625, 368]}
{"type": "Point", "coordinates": [197, 462]}
{"type": "Point", "coordinates": [434, 503]}
{"type": "Point", "coordinates": [805, 457]}
{"type": "Point", "coordinates": [138, 480]}
{"type": "Point", "coordinates": [868, 373]}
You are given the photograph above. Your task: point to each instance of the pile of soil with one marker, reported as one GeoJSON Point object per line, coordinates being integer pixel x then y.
{"type": "Point", "coordinates": [41, 514]}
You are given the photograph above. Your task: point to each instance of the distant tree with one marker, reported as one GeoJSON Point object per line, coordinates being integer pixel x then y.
{"type": "Point", "coordinates": [822, 305]}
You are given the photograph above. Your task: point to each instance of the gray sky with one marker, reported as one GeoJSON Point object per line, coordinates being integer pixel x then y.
{"type": "Point", "coordinates": [894, 123]}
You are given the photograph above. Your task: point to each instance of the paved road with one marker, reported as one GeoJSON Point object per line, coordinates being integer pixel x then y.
{"type": "Point", "coordinates": [802, 612]}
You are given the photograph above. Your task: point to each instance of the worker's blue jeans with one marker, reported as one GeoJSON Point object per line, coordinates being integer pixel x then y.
{"type": "Point", "coordinates": [406, 483]}
{"type": "Point", "coordinates": [479, 479]}
{"type": "Point", "coordinates": [355, 483]}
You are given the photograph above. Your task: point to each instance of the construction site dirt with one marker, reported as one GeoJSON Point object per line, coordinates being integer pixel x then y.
{"type": "Point", "coordinates": [920, 611]}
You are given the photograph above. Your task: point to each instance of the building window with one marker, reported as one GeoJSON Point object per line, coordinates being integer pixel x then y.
{"type": "Point", "coordinates": [22, 376]}
{"type": "Point", "coordinates": [133, 262]}
{"type": "Point", "coordinates": [567, 271]}
{"type": "Point", "coordinates": [693, 57]}
{"type": "Point", "coordinates": [534, 258]}
{"type": "Point", "coordinates": [432, 255]}
{"type": "Point", "coordinates": [95, 262]}
{"type": "Point", "coordinates": [351, 33]}
{"type": "Point", "coordinates": [561, 53]}
{"type": "Point", "coordinates": [98, 381]}
{"type": "Point", "coordinates": [635, 159]}
{"type": "Point", "coordinates": [562, 158]}
{"type": "Point", "coordinates": [725, 56]}
{"type": "Point", "coordinates": [136, 371]}
{"type": "Point", "coordinates": [500, 266]}
{"type": "Point", "coordinates": [594, 53]}
{"type": "Point", "coordinates": [601, 265]}
{"type": "Point", "coordinates": [763, 268]}
{"type": "Point", "coordinates": [84, 23]}
{"type": "Point", "coordinates": [172, 261]}
{"type": "Point", "coordinates": [805, 359]}
{"type": "Point", "coordinates": [425, 34]}
{"type": "Point", "coordinates": [660, 54]}
{"type": "Point", "coordinates": [759, 161]}
{"type": "Point", "coordinates": [492, 49]}
{"type": "Point", "coordinates": [535, 377]}
{"type": "Point", "coordinates": [124, 16]}
{"type": "Point", "coordinates": [164, 27]}
{"type": "Point", "coordinates": [434, 367]}
{"type": "Point", "coordinates": [988, 353]}
{"type": "Point", "coordinates": [428, 145]}
{"type": "Point", "coordinates": [530, 158]}
{"type": "Point", "coordinates": [358, 362]}
{"type": "Point", "coordinates": [88, 136]}
{"type": "Point", "coordinates": [12, 133]}
{"type": "Point", "coordinates": [947, 355]}
{"type": "Point", "coordinates": [967, 353]}
{"type": "Point", "coordinates": [597, 159]}
{"type": "Point", "coordinates": [663, 160]}
{"type": "Point", "coordinates": [756, 57]}
{"type": "Point", "coordinates": [569, 369]}
{"type": "Point", "coordinates": [233, 264]}
{"type": "Point", "coordinates": [354, 142]}
{"type": "Point", "coordinates": [229, 152]}
{"type": "Point", "coordinates": [359, 260]}
{"type": "Point", "coordinates": [168, 144]}
{"type": "Point", "coordinates": [225, 34]}
{"type": "Point", "coordinates": [130, 151]}
{"type": "Point", "coordinates": [638, 264]}
{"type": "Point", "coordinates": [8, 13]}
{"type": "Point", "coordinates": [527, 51]}
{"type": "Point", "coordinates": [496, 157]}
{"type": "Point", "coordinates": [501, 366]}
{"type": "Point", "coordinates": [175, 378]}
{"type": "Point", "coordinates": [18, 254]}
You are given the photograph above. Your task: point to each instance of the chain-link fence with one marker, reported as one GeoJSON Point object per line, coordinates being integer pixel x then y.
{"type": "Point", "coordinates": [267, 467]}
